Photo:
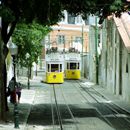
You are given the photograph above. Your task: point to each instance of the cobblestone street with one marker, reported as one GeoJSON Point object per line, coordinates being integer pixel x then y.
{"type": "Point", "coordinates": [73, 105]}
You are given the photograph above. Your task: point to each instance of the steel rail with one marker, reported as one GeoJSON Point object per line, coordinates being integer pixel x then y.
{"type": "Point", "coordinates": [108, 106]}
{"type": "Point", "coordinates": [123, 111]}
{"type": "Point", "coordinates": [90, 102]}
{"type": "Point", "coordinates": [69, 109]}
{"type": "Point", "coordinates": [102, 116]}
{"type": "Point", "coordinates": [52, 109]}
{"type": "Point", "coordinates": [57, 109]}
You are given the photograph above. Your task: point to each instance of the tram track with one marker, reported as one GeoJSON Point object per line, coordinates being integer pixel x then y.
{"type": "Point", "coordinates": [109, 107]}
{"type": "Point", "coordinates": [69, 110]}
{"type": "Point", "coordinates": [85, 97]}
{"type": "Point", "coordinates": [68, 106]}
{"type": "Point", "coordinates": [114, 105]}
{"type": "Point", "coordinates": [57, 112]}
{"type": "Point", "coordinates": [56, 109]}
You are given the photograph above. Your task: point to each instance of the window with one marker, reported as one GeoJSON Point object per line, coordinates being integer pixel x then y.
{"type": "Point", "coordinates": [60, 67]}
{"type": "Point", "coordinates": [61, 39]}
{"type": "Point", "coordinates": [78, 19]}
{"type": "Point", "coordinates": [78, 39]}
{"type": "Point", "coordinates": [72, 66]}
{"type": "Point", "coordinates": [68, 67]}
{"type": "Point", "coordinates": [77, 66]}
{"type": "Point", "coordinates": [54, 68]}
{"type": "Point", "coordinates": [127, 66]}
{"type": "Point", "coordinates": [46, 39]}
{"type": "Point", "coordinates": [48, 67]}
{"type": "Point", "coordinates": [71, 19]}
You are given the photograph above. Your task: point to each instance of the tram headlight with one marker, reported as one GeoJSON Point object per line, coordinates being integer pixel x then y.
{"type": "Point", "coordinates": [54, 76]}
{"type": "Point", "coordinates": [73, 73]}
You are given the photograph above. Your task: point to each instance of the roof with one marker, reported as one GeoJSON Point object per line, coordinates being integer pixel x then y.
{"type": "Point", "coordinates": [123, 27]}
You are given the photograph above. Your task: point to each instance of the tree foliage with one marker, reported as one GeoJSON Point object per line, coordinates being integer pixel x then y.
{"type": "Point", "coordinates": [49, 12]}
{"type": "Point", "coordinates": [101, 8]}
{"type": "Point", "coordinates": [28, 38]}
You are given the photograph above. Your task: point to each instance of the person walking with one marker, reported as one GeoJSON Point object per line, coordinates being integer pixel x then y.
{"type": "Point", "coordinates": [18, 91]}
{"type": "Point", "coordinates": [12, 91]}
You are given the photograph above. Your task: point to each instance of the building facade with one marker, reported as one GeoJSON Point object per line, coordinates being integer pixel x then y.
{"type": "Point", "coordinates": [113, 55]}
{"type": "Point", "coordinates": [69, 32]}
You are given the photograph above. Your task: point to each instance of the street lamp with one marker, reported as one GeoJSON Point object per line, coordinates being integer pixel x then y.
{"type": "Point", "coordinates": [82, 42]}
{"type": "Point", "coordinates": [27, 57]}
{"type": "Point", "coordinates": [14, 51]}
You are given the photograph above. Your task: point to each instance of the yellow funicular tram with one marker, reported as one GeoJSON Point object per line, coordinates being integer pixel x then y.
{"type": "Point", "coordinates": [72, 64]}
{"type": "Point", "coordinates": [54, 66]}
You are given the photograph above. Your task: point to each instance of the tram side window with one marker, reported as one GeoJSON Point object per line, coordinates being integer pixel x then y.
{"type": "Point", "coordinates": [48, 67]}
{"type": "Point", "coordinates": [77, 65]}
{"type": "Point", "coordinates": [68, 66]}
{"type": "Point", "coordinates": [54, 68]}
{"type": "Point", "coordinates": [72, 65]}
{"type": "Point", "coordinates": [60, 67]}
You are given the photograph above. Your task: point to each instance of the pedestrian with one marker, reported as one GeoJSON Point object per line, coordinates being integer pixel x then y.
{"type": "Point", "coordinates": [18, 91]}
{"type": "Point", "coordinates": [11, 90]}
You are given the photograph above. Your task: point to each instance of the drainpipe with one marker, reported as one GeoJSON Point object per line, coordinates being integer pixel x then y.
{"type": "Point", "coordinates": [96, 45]}
{"type": "Point", "coordinates": [49, 41]}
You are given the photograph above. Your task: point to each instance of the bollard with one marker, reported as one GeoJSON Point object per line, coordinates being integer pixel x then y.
{"type": "Point", "coordinates": [16, 116]}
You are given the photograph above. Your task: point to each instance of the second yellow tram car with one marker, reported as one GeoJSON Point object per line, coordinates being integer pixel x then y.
{"type": "Point", "coordinates": [54, 66]}
{"type": "Point", "coordinates": [72, 64]}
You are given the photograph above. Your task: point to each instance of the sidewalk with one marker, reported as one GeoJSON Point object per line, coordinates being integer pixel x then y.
{"type": "Point", "coordinates": [24, 108]}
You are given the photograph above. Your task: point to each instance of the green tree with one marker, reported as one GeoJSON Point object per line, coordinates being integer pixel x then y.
{"type": "Point", "coordinates": [28, 38]}
{"type": "Point", "coordinates": [46, 12]}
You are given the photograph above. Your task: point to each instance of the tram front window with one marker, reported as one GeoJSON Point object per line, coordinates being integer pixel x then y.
{"type": "Point", "coordinates": [72, 66]}
{"type": "Point", "coordinates": [54, 68]}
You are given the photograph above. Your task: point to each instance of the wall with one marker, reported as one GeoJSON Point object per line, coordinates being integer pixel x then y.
{"type": "Point", "coordinates": [114, 60]}
{"type": "Point", "coordinates": [70, 32]}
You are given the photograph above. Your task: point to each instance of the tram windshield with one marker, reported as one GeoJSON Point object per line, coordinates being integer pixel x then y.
{"type": "Point", "coordinates": [72, 66]}
{"type": "Point", "coordinates": [54, 67]}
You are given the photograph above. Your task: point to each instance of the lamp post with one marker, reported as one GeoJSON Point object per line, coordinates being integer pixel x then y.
{"type": "Point", "coordinates": [27, 57]}
{"type": "Point", "coordinates": [14, 50]}
{"type": "Point", "coordinates": [82, 41]}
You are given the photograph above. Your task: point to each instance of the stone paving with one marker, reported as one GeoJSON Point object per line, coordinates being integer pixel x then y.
{"type": "Point", "coordinates": [27, 99]}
